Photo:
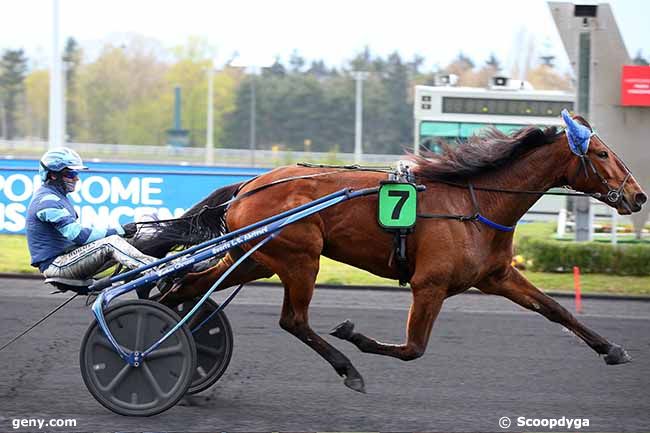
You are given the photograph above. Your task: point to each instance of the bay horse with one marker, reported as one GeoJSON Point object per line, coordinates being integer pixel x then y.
{"type": "Point", "coordinates": [446, 257]}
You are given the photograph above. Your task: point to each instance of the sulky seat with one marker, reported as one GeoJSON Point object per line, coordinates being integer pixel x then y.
{"type": "Point", "coordinates": [65, 284]}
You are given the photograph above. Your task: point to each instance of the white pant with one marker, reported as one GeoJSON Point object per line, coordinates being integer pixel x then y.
{"type": "Point", "coordinates": [87, 260]}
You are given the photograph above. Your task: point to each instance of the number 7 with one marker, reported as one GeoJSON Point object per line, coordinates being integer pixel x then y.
{"type": "Point", "coordinates": [403, 196]}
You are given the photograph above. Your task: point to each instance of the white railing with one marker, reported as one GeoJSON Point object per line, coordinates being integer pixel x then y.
{"type": "Point", "coordinates": [552, 211]}
{"type": "Point", "coordinates": [190, 155]}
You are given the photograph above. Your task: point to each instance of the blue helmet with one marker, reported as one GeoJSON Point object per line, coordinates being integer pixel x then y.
{"type": "Point", "coordinates": [59, 158]}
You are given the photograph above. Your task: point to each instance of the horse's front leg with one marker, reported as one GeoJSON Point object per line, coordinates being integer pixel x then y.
{"type": "Point", "coordinates": [427, 301]}
{"type": "Point", "coordinates": [299, 287]}
{"type": "Point", "coordinates": [510, 283]}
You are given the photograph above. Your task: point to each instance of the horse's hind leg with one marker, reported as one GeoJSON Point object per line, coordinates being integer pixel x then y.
{"type": "Point", "coordinates": [514, 286]}
{"type": "Point", "coordinates": [298, 271]}
{"type": "Point", "coordinates": [427, 301]}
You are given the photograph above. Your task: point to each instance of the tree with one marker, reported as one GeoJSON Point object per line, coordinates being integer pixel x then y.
{"type": "Point", "coordinates": [37, 87]}
{"type": "Point", "coordinates": [463, 67]}
{"type": "Point", "coordinates": [640, 60]}
{"type": "Point", "coordinates": [461, 63]}
{"type": "Point", "coordinates": [544, 77]}
{"type": "Point", "coordinates": [119, 96]}
{"type": "Point", "coordinates": [362, 61]}
{"type": "Point", "coordinates": [276, 69]}
{"type": "Point", "coordinates": [296, 62]}
{"type": "Point", "coordinates": [397, 131]}
{"type": "Point", "coordinates": [415, 64]}
{"type": "Point", "coordinates": [319, 70]}
{"type": "Point", "coordinates": [196, 49]}
{"type": "Point", "coordinates": [72, 56]}
{"type": "Point", "coordinates": [493, 62]}
{"type": "Point", "coordinates": [237, 122]}
{"type": "Point", "coordinates": [13, 66]}
{"type": "Point", "coordinates": [491, 68]}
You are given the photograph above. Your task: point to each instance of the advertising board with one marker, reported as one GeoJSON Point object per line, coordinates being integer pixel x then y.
{"type": "Point", "coordinates": [635, 86]}
{"type": "Point", "coordinates": [116, 193]}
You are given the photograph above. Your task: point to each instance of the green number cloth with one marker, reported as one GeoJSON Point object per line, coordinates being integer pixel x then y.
{"type": "Point", "coordinates": [397, 205]}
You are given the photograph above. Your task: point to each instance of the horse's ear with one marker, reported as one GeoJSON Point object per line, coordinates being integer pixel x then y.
{"type": "Point", "coordinates": [578, 135]}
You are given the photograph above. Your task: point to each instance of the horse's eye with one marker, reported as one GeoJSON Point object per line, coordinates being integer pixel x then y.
{"type": "Point", "coordinates": [602, 154]}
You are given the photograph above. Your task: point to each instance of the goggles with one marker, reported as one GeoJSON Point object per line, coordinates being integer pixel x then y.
{"type": "Point", "coordinates": [70, 174]}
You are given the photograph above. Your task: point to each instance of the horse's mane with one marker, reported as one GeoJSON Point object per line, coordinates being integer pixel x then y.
{"type": "Point", "coordinates": [481, 154]}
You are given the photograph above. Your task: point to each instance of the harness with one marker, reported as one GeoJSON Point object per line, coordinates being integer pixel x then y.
{"type": "Point", "coordinates": [401, 185]}
{"type": "Point", "coordinates": [396, 210]}
{"type": "Point", "coordinates": [398, 217]}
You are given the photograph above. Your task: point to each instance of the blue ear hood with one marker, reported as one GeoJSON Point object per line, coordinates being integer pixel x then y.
{"type": "Point", "coordinates": [577, 134]}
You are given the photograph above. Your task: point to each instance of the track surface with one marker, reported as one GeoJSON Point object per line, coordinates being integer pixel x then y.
{"type": "Point", "coordinates": [487, 358]}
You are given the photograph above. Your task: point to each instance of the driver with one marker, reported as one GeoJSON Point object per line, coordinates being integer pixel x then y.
{"type": "Point", "coordinates": [59, 245]}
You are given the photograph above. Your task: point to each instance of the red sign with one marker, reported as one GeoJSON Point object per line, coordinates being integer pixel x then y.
{"type": "Point", "coordinates": [635, 86]}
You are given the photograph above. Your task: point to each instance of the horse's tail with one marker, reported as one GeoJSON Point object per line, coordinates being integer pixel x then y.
{"type": "Point", "coordinates": [202, 222]}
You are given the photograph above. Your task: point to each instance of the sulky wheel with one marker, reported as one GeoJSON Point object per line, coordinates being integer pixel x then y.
{"type": "Point", "coordinates": [214, 343]}
{"type": "Point", "coordinates": [163, 376]}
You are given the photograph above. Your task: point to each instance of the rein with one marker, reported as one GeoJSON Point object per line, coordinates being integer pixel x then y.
{"type": "Point", "coordinates": [476, 216]}
{"type": "Point", "coordinates": [236, 197]}
{"type": "Point", "coordinates": [613, 194]}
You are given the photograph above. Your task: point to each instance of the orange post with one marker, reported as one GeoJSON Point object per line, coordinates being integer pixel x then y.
{"type": "Point", "coordinates": [576, 285]}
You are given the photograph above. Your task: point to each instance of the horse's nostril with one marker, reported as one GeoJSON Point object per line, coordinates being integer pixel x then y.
{"type": "Point", "coordinates": [640, 198]}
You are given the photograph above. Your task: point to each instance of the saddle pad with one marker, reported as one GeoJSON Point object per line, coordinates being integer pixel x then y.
{"type": "Point", "coordinates": [397, 208]}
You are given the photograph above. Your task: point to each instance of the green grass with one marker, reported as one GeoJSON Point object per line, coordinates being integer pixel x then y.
{"type": "Point", "coordinates": [535, 230]}
{"type": "Point", "coordinates": [338, 273]}
{"type": "Point", "coordinates": [590, 283]}
{"type": "Point", "coordinates": [332, 272]}
{"type": "Point", "coordinates": [14, 257]}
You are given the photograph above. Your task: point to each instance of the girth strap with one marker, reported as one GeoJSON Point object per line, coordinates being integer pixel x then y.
{"type": "Point", "coordinates": [399, 256]}
{"type": "Point", "coordinates": [476, 216]}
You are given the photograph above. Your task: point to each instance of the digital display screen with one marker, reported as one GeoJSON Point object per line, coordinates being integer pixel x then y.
{"type": "Point", "coordinates": [505, 107]}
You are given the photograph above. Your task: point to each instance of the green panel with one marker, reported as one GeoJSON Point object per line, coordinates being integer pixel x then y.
{"type": "Point", "coordinates": [439, 129]}
{"type": "Point", "coordinates": [397, 205]}
{"type": "Point", "coordinates": [469, 129]}
{"type": "Point", "coordinates": [453, 130]}
{"type": "Point", "coordinates": [507, 129]}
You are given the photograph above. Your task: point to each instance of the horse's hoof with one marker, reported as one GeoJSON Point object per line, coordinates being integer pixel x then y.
{"type": "Point", "coordinates": [355, 383]}
{"type": "Point", "coordinates": [617, 355]}
{"type": "Point", "coordinates": [343, 331]}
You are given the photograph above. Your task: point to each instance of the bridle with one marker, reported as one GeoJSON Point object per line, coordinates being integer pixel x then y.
{"type": "Point", "coordinates": [614, 195]}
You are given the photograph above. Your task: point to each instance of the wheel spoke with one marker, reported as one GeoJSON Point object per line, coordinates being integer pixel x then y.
{"type": "Point", "coordinates": [139, 330]}
{"type": "Point", "coordinates": [119, 377]}
{"type": "Point", "coordinates": [194, 320]}
{"type": "Point", "coordinates": [202, 348]}
{"type": "Point", "coordinates": [167, 351]}
{"type": "Point", "coordinates": [103, 342]}
{"type": "Point", "coordinates": [152, 380]}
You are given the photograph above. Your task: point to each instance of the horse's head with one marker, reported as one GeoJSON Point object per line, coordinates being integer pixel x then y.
{"type": "Point", "coordinates": [597, 170]}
